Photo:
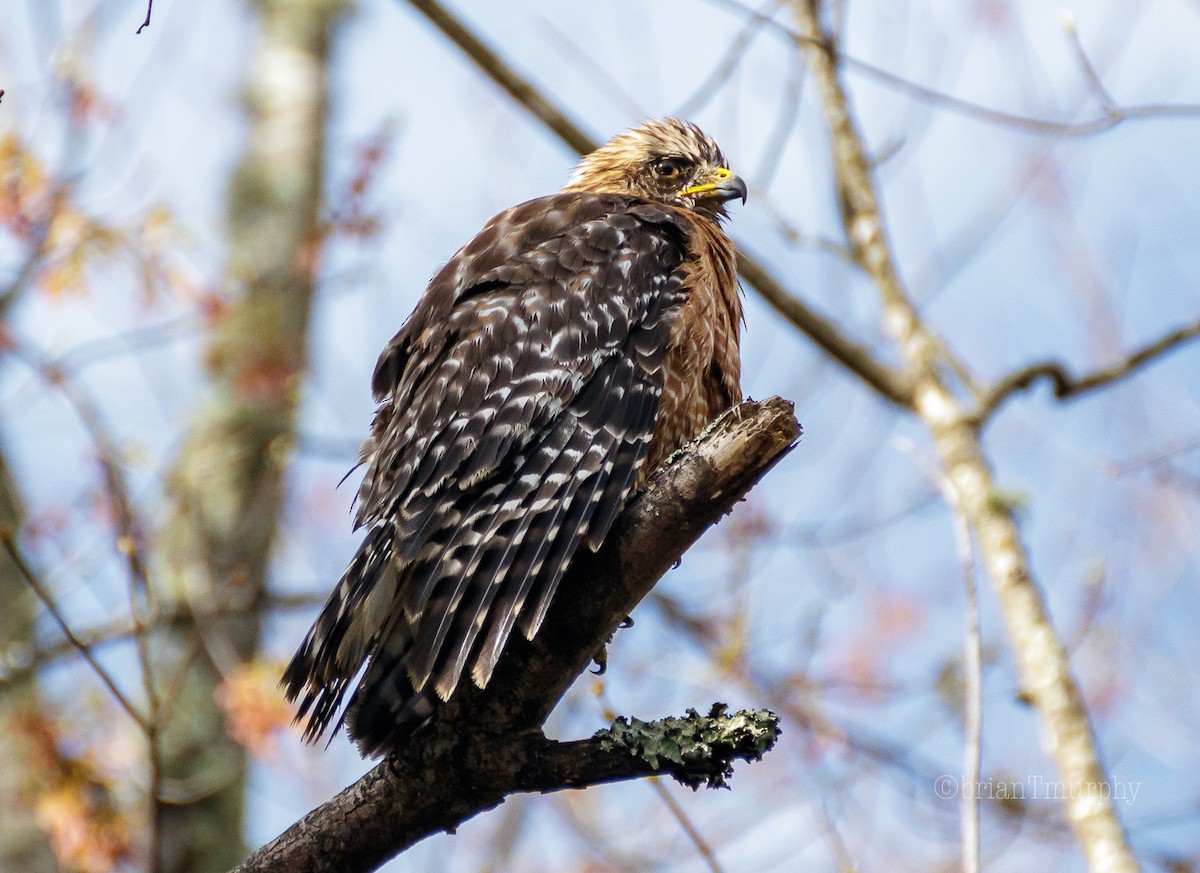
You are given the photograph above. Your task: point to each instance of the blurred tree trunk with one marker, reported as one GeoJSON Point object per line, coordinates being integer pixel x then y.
{"type": "Point", "coordinates": [227, 486]}
{"type": "Point", "coordinates": [23, 845]}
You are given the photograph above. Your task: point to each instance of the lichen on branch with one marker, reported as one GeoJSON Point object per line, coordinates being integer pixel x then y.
{"type": "Point", "coordinates": [696, 750]}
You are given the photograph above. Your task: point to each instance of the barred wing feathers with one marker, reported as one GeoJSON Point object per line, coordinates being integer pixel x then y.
{"type": "Point", "coordinates": [517, 406]}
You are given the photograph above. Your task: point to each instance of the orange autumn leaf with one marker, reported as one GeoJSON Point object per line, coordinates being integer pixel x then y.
{"type": "Point", "coordinates": [83, 836]}
{"type": "Point", "coordinates": [255, 711]}
{"type": "Point", "coordinates": [24, 189]}
{"type": "Point", "coordinates": [74, 804]}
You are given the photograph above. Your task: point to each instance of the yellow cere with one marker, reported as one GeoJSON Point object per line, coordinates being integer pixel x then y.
{"type": "Point", "coordinates": [721, 175]}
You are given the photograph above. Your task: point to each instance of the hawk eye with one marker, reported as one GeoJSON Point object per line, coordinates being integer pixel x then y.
{"type": "Point", "coordinates": [669, 168]}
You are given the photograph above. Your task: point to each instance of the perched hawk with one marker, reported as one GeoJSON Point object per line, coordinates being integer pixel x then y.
{"type": "Point", "coordinates": [555, 361]}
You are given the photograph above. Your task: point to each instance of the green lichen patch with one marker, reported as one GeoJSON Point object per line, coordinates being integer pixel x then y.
{"type": "Point", "coordinates": [696, 750]}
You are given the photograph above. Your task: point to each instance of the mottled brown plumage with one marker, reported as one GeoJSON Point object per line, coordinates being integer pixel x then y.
{"type": "Point", "coordinates": [555, 361]}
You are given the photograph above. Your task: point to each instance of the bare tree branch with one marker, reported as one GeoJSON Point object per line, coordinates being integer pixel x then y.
{"type": "Point", "coordinates": [1067, 386]}
{"type": "Point", "coordinates": [1041, 657]}
{"type": "Point", "coordinates": [487, 744]}
{"type": "Point", "coordinates": [1090, 74]}
{"type": "Point", "coordinates": [972, 672]}
{"type": "Point", "coordinates": [432, 787]}
{"type": "Point", "coordinates": [738, 47]}
{"type": "Point", "coordinates": [857, 359]}
{"type": "Point", "coordinates": [519, 88]}
{"type": "Point", "coordinates": [128, 542]}
{"type": "Point", "coordinates": [11, 293]}
{"type": "Point", "coordinates": [1110, 117]}
{"type": "Point", "coordinates": [47, 599]}
{"type": "Point", "coordinates": [693, 833]}
{"type": "Point", "coordinates": [22, 661]}
{"type": "Point", "coordinates": [146, 23]}
{"type": "Point", "coordinates": [785, 124]}
{"type": "Point", "coordinates": [128, 534]}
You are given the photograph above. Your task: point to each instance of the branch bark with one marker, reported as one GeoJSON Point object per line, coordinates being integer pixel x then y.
{"type": "Point", "coordinates": [488, 744]}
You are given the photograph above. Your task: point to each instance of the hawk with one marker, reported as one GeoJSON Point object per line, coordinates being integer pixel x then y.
{"type": "Point", "coordinates": [558, 358]}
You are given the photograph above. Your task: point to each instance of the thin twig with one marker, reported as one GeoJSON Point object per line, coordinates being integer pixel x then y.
{"type": "Point", "coordinates": [25, 660]}
{"type": "Point", "coordinates": [519, 88]}
{"type": "Point", "coordinates": [964, 243]}
{"type": "Point", "coordinates": [11, 293]}
{"type": "Point", "coordinates": [738, 46]}
{"type": "Point", "coordinates": [128, 533]}
{"type": "Point", "coordinates": [1107, 120]}
{"type": "Point", "coordinates": [174, 684]}
{"type": "Point", "coordinates": [799, 238]}
{"type": "Point", "coordinates": [43, 595]}
{"type": "Point", "coordinates": [785, 124]}
{"type": "Point", "coordinates": [972, 661]}
{"type": "Point", "coordinates": [1067, 386]}
{"type": "Point", "coordinates": [1095, 85]}
{"type": "Point", "coordinates": [607, 86]}
{"type": "Point", "coordinates": [57, 197]}
{"type": "Point", "coordinates": [108, 453]}
{"type": "Point", "coordinates": [972, 692]}
{"type": "Point", "coordinates": [1181, 446]}
{"type": "Point", "coordinates": [705, 850]}
{"type": "Point", "coordinates": [138, 582]}
{"type": "Point", "coordinates": [146, 23]}
{"type": "Point", "coordinates": [843, 861]}
{"type": "Point", "coordinates": [154, 795]}
{"type": "Point", "coordinates": [135, 340]}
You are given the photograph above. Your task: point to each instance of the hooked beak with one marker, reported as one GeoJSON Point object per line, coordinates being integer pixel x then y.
{"type": "Point", "coordinates": [721, 185]}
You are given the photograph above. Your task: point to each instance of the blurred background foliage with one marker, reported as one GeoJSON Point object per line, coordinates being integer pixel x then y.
{"type": "Point", "coordinates": [209, 230]}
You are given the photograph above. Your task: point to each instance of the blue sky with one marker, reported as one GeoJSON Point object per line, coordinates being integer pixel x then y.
{"type": "Point", "coordinates": [1018, 246]}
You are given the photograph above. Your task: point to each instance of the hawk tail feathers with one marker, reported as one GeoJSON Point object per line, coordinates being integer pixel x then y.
{"type": "Point", "coordinates": [355, 615]}
{"type": "Point", "coordinates": [385, 710]}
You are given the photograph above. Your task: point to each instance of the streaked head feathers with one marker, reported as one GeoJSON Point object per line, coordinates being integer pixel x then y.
{"type": "Point", "coordinates": [665, 160]}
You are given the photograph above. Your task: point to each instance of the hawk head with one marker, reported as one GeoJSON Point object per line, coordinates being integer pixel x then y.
{"type": "Point", "coordinates": [669, 161]}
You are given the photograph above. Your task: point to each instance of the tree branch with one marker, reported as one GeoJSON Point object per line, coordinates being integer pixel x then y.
{"type": "Point", "coordinates": [695, 750]}
{"type": "Point", "coordinates": [1067, 386]}
{"type": "Point", "coordinates": [149, 9]}
{"type": "Point", "coordinates": [43, 595]}
{"type": "Point", "coordinates": [500, 72]}
{"type": "Point", "coordinates": [856, 358]}
{"type": "Point", "coordinates": [24, 658]}
{"type": "Point", "coordinates": [1110, 115]}
{"type": "Point", "coordinates": [487, 744]}
{"type": "Point", "coordinates": [1041, 657]}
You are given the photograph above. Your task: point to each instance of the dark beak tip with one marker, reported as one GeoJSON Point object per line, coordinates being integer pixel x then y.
{"type": "Point", "coordinates": [734, 188]}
